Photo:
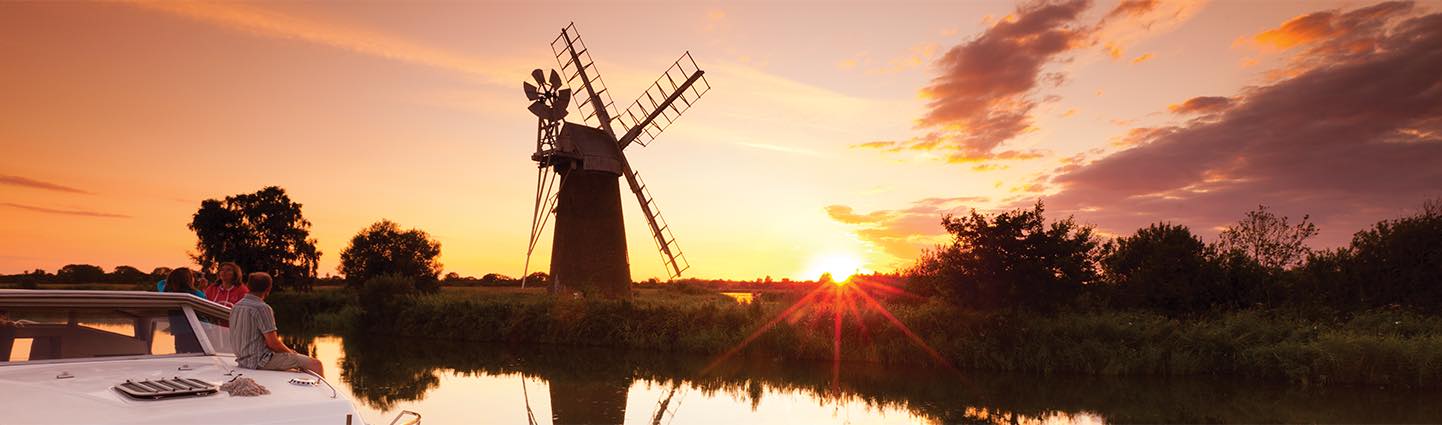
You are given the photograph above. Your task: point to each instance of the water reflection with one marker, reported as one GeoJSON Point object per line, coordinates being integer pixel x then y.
{"type": "Point", "coordinates": [482, 383]}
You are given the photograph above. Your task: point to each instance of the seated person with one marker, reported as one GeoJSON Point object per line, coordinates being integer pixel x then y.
{"type": "Point", "coordinates": [227, 289]}
{"type": "Point", "coordinates": [253, 333]}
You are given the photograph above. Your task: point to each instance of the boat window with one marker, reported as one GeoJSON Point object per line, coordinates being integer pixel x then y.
{"type": "Point", "coordinates": [49, 334]}
{"type": "Point", "coordinates": [218, 334]}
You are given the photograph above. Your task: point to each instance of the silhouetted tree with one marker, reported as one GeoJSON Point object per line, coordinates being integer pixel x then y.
{"type": "Point", "coordinates": [1270, 240]}
{"type": "Point", "coordinates": [1397, 261]}
{"type": "Point", "coordinates": [262, 231]}
{"type": "Point", "coordinates": [160, 272]}
{"type": "Point", "coordinates": [1166, 268]}
{"type": "Point", "coordinates": [500, 279]}
{"type": "Point", "coordinates": [80, 273]}
{"type": "Point", "coordinates": [1010, 259]}
{"type": "Point", "coordinates": [385, 249]}
{"type": "Point", "coordinates": [538, 278]}
{"type": "Point", "coordinates": [127, 274]}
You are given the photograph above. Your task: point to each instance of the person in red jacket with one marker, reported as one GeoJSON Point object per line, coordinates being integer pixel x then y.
{"type": "Point", "coordinates": [227, 289]}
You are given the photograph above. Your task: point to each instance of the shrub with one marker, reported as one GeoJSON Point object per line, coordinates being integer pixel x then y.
{"type": "Point", "coordinates": [1010, 259]}
{"type": "Point", "coordinates": [1163, 267]}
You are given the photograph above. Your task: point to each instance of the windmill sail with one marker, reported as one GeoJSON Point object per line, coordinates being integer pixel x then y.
{"type": "Point", "coordinates": [578, 69]}
{"type": "Point", "coordinates": [663, 102]}
{"type": "Point", "coordinates": [671, 255]}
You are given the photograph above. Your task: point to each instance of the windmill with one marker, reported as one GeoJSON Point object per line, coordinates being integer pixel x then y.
{"type": "Point", "coordinates": [579, 165]}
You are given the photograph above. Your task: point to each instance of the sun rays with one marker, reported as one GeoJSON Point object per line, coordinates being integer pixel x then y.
{"type": "Point", "coordinates": [837, 301]}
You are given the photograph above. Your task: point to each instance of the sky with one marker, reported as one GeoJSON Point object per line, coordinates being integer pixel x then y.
{"type": "Point", "coordinates": [835, 137]}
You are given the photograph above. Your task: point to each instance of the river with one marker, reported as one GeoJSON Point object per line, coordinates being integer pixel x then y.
{"type": "Point", "coordinates": [463, 383]}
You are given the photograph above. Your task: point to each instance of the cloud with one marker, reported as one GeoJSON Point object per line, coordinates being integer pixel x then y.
{"type": "Point", "coordinates": [1332, 28]}
{"type": "Point", "coordinates": [1143, 58]}
{"type": "Point", "coordinates": [63, 212]}
{"type": "Point", "coordinates": [988, 87]}
{"type": "Point", "coordinates": [1134, 20]}
{"type": "Point", "coordinates": [903, 233]}
{"type": "Point", "coordinates": [915, 57]}
{"type": "Point", "coordinates": [779, 148]}
{"type": "Point", "coordinates": [1131, 8]}
{"type": "Point", "coordinates": [1201, 105]}
{"type": "Point", "coordinates": [269, 23]}
{"type": "Point", "coordinates": [1350, 142]}
{"type": "Point", "coordinates": [37, 184]}
{"type": "Point", "coordinates": [983, 96]}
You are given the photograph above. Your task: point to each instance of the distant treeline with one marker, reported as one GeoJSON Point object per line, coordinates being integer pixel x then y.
{"type": "Point", "coordinates": [86, 273]}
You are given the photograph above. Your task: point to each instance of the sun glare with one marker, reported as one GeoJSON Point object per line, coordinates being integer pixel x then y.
{"type": "Point", "coordinates": [841, 267]}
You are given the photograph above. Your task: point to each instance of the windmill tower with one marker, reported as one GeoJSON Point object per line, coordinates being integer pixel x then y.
{"type": "Point", "coordinates": [579, 165]}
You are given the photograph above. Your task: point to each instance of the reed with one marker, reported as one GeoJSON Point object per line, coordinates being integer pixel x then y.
{"type": "Point", "coordinates": [1380, 347]}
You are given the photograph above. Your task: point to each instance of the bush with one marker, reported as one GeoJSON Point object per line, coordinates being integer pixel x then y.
{"type": "Point", "coordinates": [1007, 260]}
{"type": "Point", "coordinates": [1163, 267]}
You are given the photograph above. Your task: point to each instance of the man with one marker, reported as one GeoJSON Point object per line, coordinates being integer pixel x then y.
{"type": "Point", "coordinates": [252, 333]}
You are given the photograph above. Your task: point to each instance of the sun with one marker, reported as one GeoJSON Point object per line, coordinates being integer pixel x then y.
{"type": "Point", "coordinates": [840, 265]}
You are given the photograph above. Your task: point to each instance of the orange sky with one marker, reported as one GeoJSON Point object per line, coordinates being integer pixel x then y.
{"type": "Point", "coordinates": [120, 118]}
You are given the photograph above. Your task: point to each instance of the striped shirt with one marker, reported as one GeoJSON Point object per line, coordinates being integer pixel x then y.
{"type": "Point", "coordinates": [250, 320]}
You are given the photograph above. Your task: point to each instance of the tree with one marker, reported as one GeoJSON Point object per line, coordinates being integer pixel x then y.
{"type": "Point", "coordinates": [1270, 240]}
{"type": "Point", "coordinates": [160, 273]}
{"type": "Point", "coordinates": [1399, 261]}
{"type": "Point", "coordinates": [262, 231]}
{"type": "Point", "coordinates": [1011, 259]}
{"type": "Point", "coordinates": [384, 249]}
{"type": "Point", "coordinates": [1163, 267]}
{"type": "Point", "coordinates": [80, 273]}
{"type": "Point", "coordinates": [500, 279]}
{"type": "Point", "coordinates": [127, 274]}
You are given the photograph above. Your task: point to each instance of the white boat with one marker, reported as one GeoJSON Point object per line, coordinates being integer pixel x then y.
{"type": "Point", "coordinates": [123, 357]}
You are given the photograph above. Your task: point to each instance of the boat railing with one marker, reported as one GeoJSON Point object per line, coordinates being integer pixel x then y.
{"type": "Point", "coordinates": [415, 420]}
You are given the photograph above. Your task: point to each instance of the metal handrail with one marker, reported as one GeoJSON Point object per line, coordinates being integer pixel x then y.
{"type": "Point", "coordinates": [403, 414]}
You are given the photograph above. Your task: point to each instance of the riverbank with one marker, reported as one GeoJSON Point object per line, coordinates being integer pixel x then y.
{"type": "Point", "coordinates": [1385, 348]}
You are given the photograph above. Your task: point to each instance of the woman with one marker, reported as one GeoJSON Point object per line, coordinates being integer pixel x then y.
{"type": "Point", "coordinates": [227, 290]}
{"type": "Point", "coordinates": [182, 280]}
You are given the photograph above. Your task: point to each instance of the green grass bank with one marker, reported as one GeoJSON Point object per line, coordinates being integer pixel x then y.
{"type": "Point", "coordinates": [1385, 347]}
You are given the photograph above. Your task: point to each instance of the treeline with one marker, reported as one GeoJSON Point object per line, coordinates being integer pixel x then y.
{"type": "Point", "coordinates": [1017, 259]}
{"type": "Point", "coordinates": [86, 273]}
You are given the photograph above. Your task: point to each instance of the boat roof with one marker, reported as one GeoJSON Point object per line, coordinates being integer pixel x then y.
{"type": "Point", "coordinates": [65, 298]}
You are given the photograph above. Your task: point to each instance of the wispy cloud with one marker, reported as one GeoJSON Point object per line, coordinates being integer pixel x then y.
{"type": "Point", "coordinates": [903, 233]}
{"type": "Point", "coordinates": [270, 23]}
{"type": "Point", "coordinates": [37, 184]}
{"type": "Point", "coordinates": [81, 213]}
{"type": "Point", "coordinates": [779, 148]}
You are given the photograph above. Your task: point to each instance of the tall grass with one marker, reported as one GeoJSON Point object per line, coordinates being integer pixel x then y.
{"type": "Point", "coordinates": [1387, 347]}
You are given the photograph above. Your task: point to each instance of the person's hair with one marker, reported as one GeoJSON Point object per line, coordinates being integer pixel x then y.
{"type": "Point", "coordinates": [180, 280]}
{"type": "Point", "coordinates": [258, 282]}
{"type": "Point", "coordinates": [239, 274]}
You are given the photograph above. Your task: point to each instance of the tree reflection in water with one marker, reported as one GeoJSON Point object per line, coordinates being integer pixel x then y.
{"type": "Point", "coordinates": [590, 385]}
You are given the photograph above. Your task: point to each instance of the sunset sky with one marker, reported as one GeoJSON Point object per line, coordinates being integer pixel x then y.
{"type": "Point", "coordinates": [836, 135]}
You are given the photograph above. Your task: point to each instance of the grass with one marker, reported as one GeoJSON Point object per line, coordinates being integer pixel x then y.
{"type": "Point", "coordinates": [1388, 347]}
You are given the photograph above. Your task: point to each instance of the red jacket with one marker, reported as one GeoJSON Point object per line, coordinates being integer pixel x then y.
{"type": "Point", "coordinates": [225, 297]}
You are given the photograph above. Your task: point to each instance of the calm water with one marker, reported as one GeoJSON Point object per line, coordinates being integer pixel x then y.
{"type": "Point", "coordinates": [451, 382]}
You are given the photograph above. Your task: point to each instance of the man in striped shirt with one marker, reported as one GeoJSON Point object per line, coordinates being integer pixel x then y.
{"type": "Point", "coordinates": [253, 333]}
